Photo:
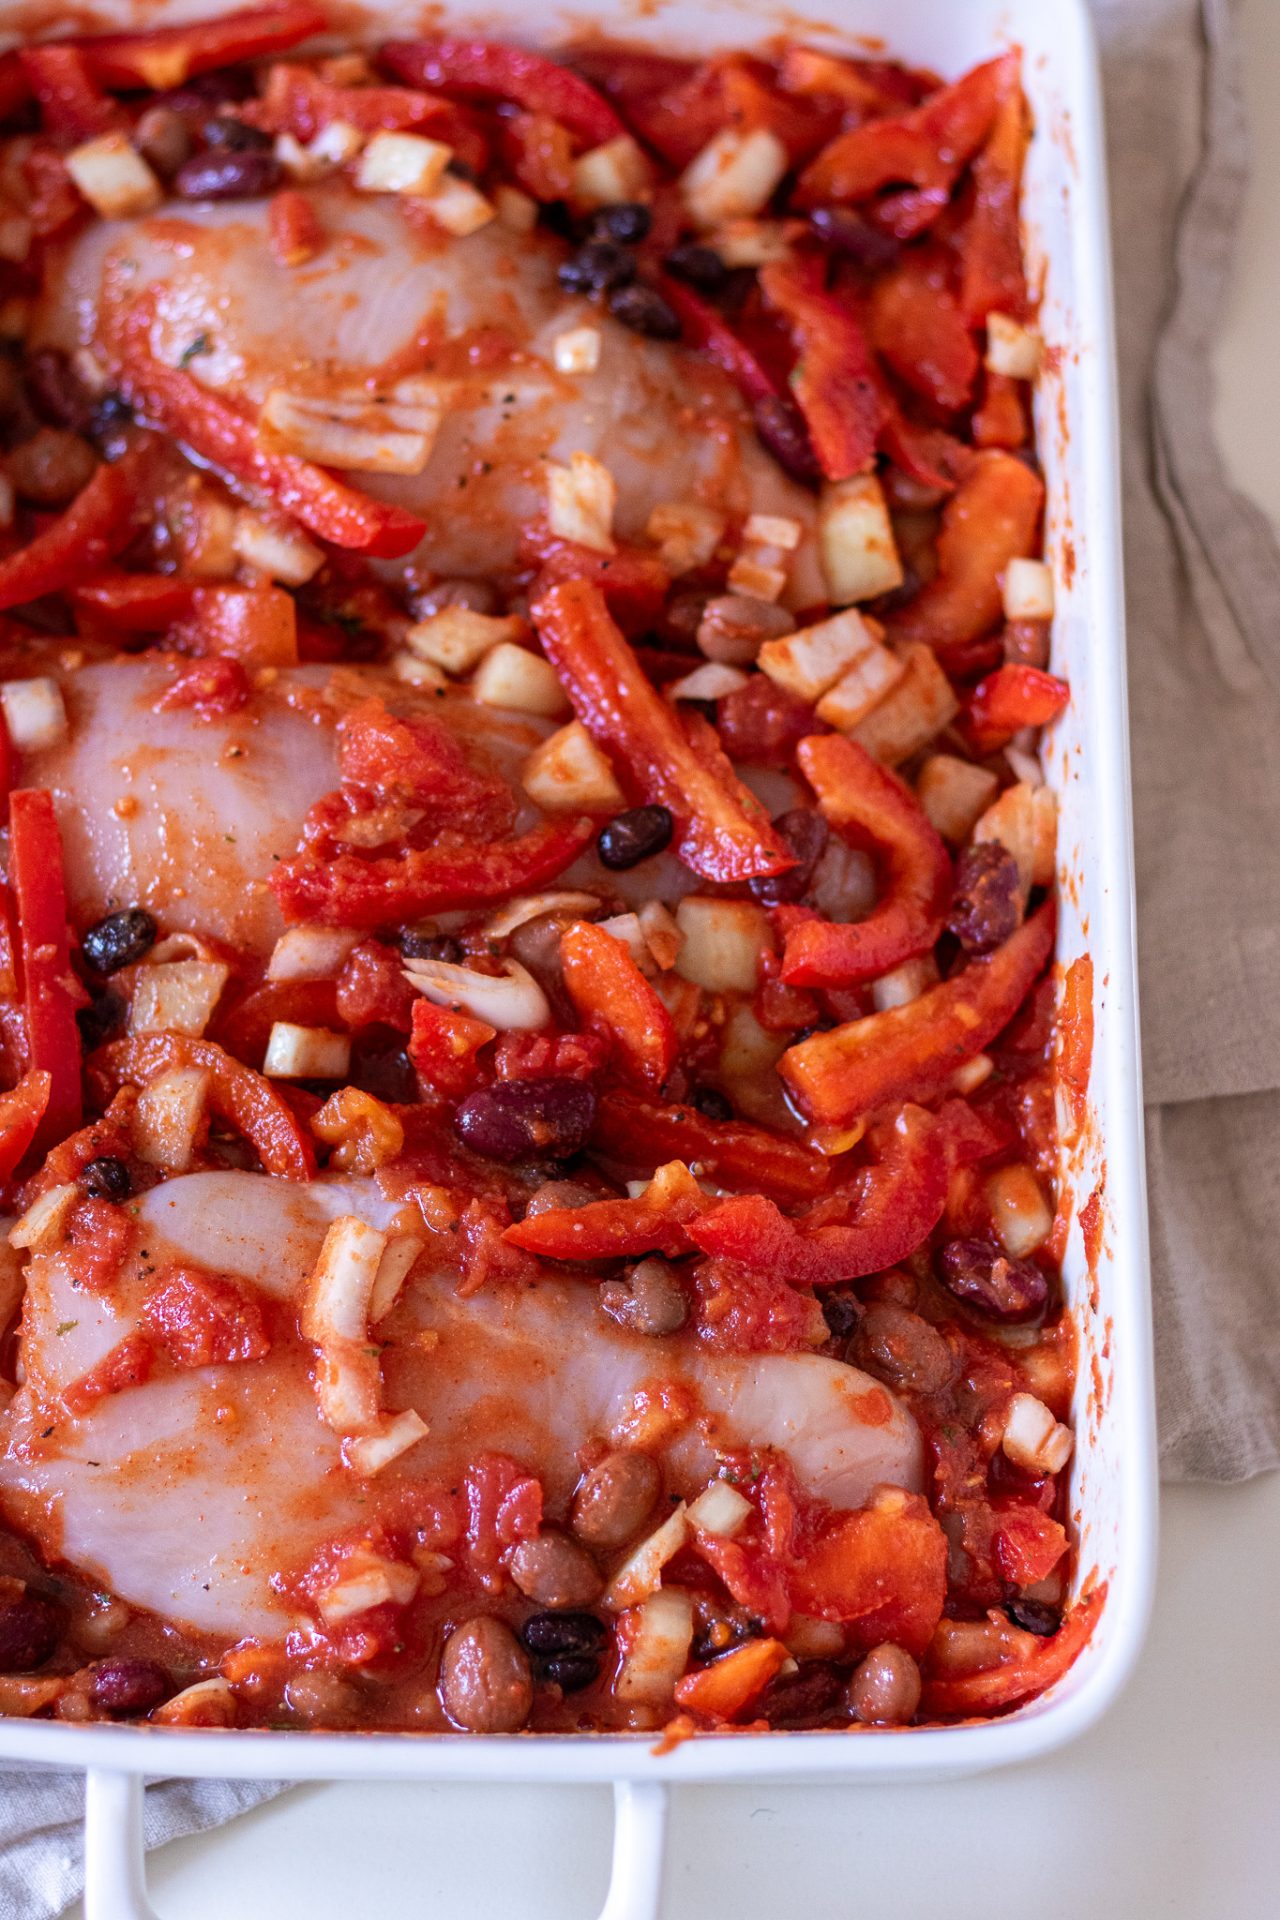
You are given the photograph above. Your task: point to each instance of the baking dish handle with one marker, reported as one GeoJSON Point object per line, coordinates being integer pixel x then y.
{"type": "Point", "coordinates": [115, 1880]}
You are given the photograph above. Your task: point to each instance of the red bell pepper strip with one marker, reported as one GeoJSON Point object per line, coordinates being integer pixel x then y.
{"type": "Point", "coordinates": [726, 1688]}
{"type": "Point", "coordinates": [614, 999]}
{"type": "Point", "coordinates": [164, 57]}
{"type": "Point", "coordinates": [299, 102]}
{"type": "Point", "coordinates": [654, 1222]}
{"type": "Point", "coordinates": [865, 801]}
{"type": "Point", "coordinates": [444, 1045]}
{"type": "Point", "coordinates": [640, 1133]}
{"type": "Point", "coordinates": [134, 602]}
{"type": "Point", "coordinates": [883, 1571]}
{"type": "Point", "coordinates": [711, 333]}
{"type": "Point", "coordinates": [833, 380]}
{"type": "Point", "coordinates": [50, 991]}
{"type": "Point", "coordinates": [926, 147]}
{"type": "Point", "coordinates": [1009, 699]}
{"type": "Point", "coordinates": [488, 70]}
{"type": "Point", "coordinates": [992, 277]}
{"type": "Point", "coordinates": [634, 582]}
{"type": "Point", "coordinates": [95, 527]}
{"type": "Point", "coordinates": [901, 1202]}
{"type": "Point", "coordinates": [347, 890]}
{"type": "Point", "coordinates": [7, 769]}
{"type": "Point", "coordinates": [1032, 1665]}
{"type": "Point", "coordinates": [253, 1106]}
{"type": "Point", "coordinates": [420, 763]}
{"type": "Point", "coordinates": [918, 330]}
{"type": "Point", "coordinates": [72, 106]}
{"type": "Point", "coordinates": [911, 1052]}
{"type": "Point", "coordinates": [178, 405]}
{"type": "Point", "coordinates": [21, 1111]}
{"type": "Point", "coordinates": [722, 832]}
{"type": "Point", "coordinates": [930, 455]}
{"type": "Point", "coordinates": [992, 518]}
{"type": "Point", "coordinates": [15, 88]}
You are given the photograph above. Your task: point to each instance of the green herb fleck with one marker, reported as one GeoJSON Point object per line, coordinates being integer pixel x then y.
{"type": "Point", "coordinates": [198, 346]}
{"type": "Point", "coordinates": [66, 1327]}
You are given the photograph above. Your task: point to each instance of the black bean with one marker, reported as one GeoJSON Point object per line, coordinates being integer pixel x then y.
{"type": "Point", "coordinates": [711, 1102]}
{"type": "Point", "coordinates": [780, 425]}
{"type": "Point", "coordinates": [56, 391]}
{"type": "Point", "coordinates": [597, 267]}
{"type": "Point", "coordinates": [634, 836]}
{"type": "Point", "coordinates": [553, 1634]}
{"type": "Point", "coordinates": [101, 1020]}
{"type": "Point", "coordinates": [431, 946]}
{"type": "Point", "coordinates": [121, 940]}
{"type": "Point", "coordinates": [29, 1626]}
{"type": "Point", "coordinates": [106, 1179]}
{"type": "Point", "coordinates": [524, 1119]}
{"type": "Point", "coordinates": [987, 905]}
{"type": "Point", "coordinates": [805, 832]}
{"type": "Point", "coordinates": [982, 1274]}
{"type": "Point", "coordinates": [110, 411]}
{"type": "Point", "coordinates": [571, 1671]}
{"type": "Point", "coordinates": [1035, 1616]}
{"type": "Point", "coordinates": [235, 136]}
{"type": "Point", "coordinates": [645, 311]}
{"type": "Point", "coordinates": [222, 175]}
{"type": "Point", "coordinates": [127, 1686]}
{"type": "Point", "coordinates": [848, 233]}
{"type": "Point", "coordinates": [626, 222]}
{"type": "Point", "coordinates": [700, 266]}
{"type": "Point", "coordinates": [840, 1310]}
{"type": "Point", "coordinates": [801, 1699]}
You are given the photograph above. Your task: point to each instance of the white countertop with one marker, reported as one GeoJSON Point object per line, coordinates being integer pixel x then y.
{"type": "Point", "coordinates": [1167, 1809]}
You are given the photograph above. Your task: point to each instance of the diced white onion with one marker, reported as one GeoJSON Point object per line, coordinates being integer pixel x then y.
{"type": "Point", "coordinates": [380, 433]}
{"type": "Point", "coordinates": [42, 1222]}
{"type": "Point", "coordinates": [458, 638]}
{"type": "Point", "coordinates": [810, 661]}
{"type": "Point", "coordinates": [973, 1073]}
{"type": "Point", "coordinates": [755, 576]}
{"type": "Point", "coordinates": [904, 983]}
{"type": "Point", "coordinates": [611, 174]}
{"type": "Point", "coordinates": [310, 953]}
{"type": "Point", "coordinates": [720, 1510]}
{"type": "Point", "coordinates": [1027, 590]}
{"type": "Point", "coordinates": [402, 163]}
{"type": "Point", "coordinates": [368, 1453]}
{"type": "Point", "coordinates": [750, 243]}
{"type": "Point", "coordinates": [177, 996]}
{"type": "Point", "coordinates": [625, 928]}
{"type": "Point", "coordinates": [1022, 1216]}
{"type": "Point", "coordinates": [577, 350]}
{"type": "Point", "coordinates": [733, 176]}
{"type": "Point", "coordinates": [1012, 349]}
{"type": "Point", "coordinates": [458, 207]}
{"type": "Point", "coordinates": [913, 711]}
{"type": "Point", "coordinates": [772, 530]}
{"type": "Point", "coordinates": [407, 667]}
{"type": "Point", "coordinates": [34, 713]}
{"type": "Point", "coordinates": [113, 177]}
{"type": "Point", "coordinates": [724, 941]}
{"type": "Point", "coordinates": [655, 1638]}
{"type": "Point", "coordinates": [516, 210]}
{"type": "Point", "coordinates": [368, 1580]}
{"type": "Point", "coordinates": [954, 794]}
{"type": "Point", "coordinates": [686, 534]}
{"type": "Point", "coordinates": [511, 1001]}
{"type": "Point", "coordinates": [661, 932]}
{"type": "Point", "coordinates": [306, 1053]}
{"type": "Point", "coordinates": [581, 499]}
{"type": "Point", "coordinates": [569, 774]}
{"type": "Point", "coordinates": [711, 681]}
{"type": "Point", "coordinates": [532, 906]}
{"type": "Point", "coordinates": [1033, 1439]}
{"type": "Point", "coordinates": [512, 677]}
{"type": "Point", "coordinates": [1024, 819]}
{"type": "Point", "coordinates": [393, 1270]}
{"type": "Point", "coordinates": [865, 684]}
{"type": "Point", "coordinates": [281, 552]}
{"type": "Point", "coordinates": [169, 1117]}
{"type": "Point", "coordinates": [641, 1571]}
{"type": "Point", "coordinates": [855, 538]}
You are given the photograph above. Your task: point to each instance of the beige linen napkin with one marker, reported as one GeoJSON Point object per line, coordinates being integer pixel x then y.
{"type": "Point", "coordinates": [1204, 651]}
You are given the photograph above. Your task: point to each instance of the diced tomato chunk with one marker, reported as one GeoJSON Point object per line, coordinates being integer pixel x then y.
{"type": "Point", "coordinates": [203, 1320]}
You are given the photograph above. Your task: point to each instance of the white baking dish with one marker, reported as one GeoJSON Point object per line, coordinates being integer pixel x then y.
{"type": "Point", "coordinates": [1087, 762]}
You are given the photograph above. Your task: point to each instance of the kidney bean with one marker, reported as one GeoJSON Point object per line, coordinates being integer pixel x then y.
{"type": "Point", "coordinates": [848, 233]}
{"type": "Point", "coordinates": [806, 833]}
{"type": "Point", "coordinates": [554, 1195]}
{"type": "Point", "coordinates": [127, 1687]}
{"type": "Point", "coordinates": [224, 87]}
{"type": "Point", "coordinates": [987, 905]}
{"type": "Point", "coordinates": [626, 221]}
{"type": "Point", "coordinates": [235, 136]}
{"type": "Point", "coordinates": [644, 310]}
{"type": "Point", "coordinates": [225, 175]}
{"type": "Point", "coordinates": [572, 1672]}
{"type": "Point", "coordinates": [651, 1300]}
{"type": "Point", "coordinates": [29, 1626]}
{"type": "Point", "coordinates": [597, 267]}
{"type": "Point", "coordinates": [52, 467]}
{"type": "Point", "coordinates": [121, 940]}
{"type": "Point", "coordinates": [1035, 1616]}
{"type": "Point", "coordinates": [902, 1349]}
{"type": "Point", "coordinates": [615, 1498]}
{"type": "Point", "coordinates": [485, 1682]}
{"type": "Point", "coordinates": [801, 1699]}
{"type": "Point", "coordinates": [106, 1179]}
{"type": "Point", "coordinates": [885, 1688]}
{"type": "Point", "coordinates": [982, 1274]}
{"type": "Point", "coordinates": [527, 1119]}
{"type": "Point", "coordinates": [698, 266]}
{"type": "Point", "coordinates": [633, 836]}
{"type": "Point", "coordinates": [163, 138]}
{"type": "Point", "coordinates": [549, 1634]}
{"type": "Point", "coordinates": [780, 425]}
{"type": "Point", "coordinates": [555, 1571]}
{"type": "Point", "coordinates": [734, 626]}
{"type": "Point", "coordinates": [55, 389]}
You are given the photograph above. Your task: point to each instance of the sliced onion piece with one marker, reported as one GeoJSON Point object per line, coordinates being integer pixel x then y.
{"type": "Point", "coordinates": [511, 1001]}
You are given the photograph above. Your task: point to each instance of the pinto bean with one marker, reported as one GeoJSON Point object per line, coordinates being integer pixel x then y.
{"type": "Point", "coordinates": [650, 1300]}
{"type": "Point", "coordinates": [555, 1571]}
{"type": "Point", "coordinates": [322, 1697]}
{"type": "Point", "coordinates": [987, 905]}
{"type": "Point", "coordinates": [885, 1688]}
{"type": "Point", "coordinates": [902, 1349]}
{"type": "Point", "coordinates": [163, 139]}
{"type": "Point", "coordinates": [486, 1685]}
{"type": "Point", "coordinates": [615, 1498]}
